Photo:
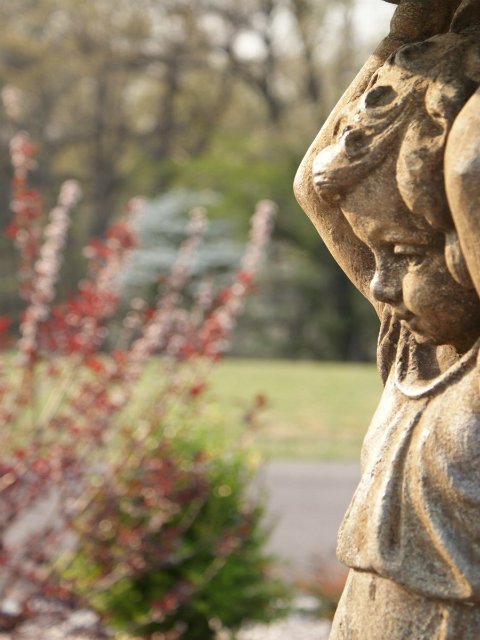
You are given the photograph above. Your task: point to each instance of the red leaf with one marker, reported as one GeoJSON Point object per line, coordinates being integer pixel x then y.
{"type": "Point", "coordinates": [5, 323]}
{"type": "Point", "coordinates": [95, 364]}
{"type": "Point", "coordinates": [245, 277]}
{"type": "Point", "coordinates": [197, 389]}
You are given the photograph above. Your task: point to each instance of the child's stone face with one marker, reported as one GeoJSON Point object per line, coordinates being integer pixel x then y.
{"type": "Point", "coordinates": [411, 274]}
{"type": "Point", "coordinates": [361, 172]}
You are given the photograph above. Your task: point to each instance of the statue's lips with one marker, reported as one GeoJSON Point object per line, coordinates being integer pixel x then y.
{"type": "Point", "coordinates": [410, 320]}
{"type": "Point", "coordinates": [400, 311]}
{"type": "Point", "coordinates": [404, 315]}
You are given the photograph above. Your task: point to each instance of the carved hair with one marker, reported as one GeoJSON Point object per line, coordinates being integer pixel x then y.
{"type": "Point", "coordinates": [410, 104]}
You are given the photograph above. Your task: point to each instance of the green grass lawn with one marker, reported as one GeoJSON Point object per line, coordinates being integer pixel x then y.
{"type": "Point", "coordinates": [315, 410]}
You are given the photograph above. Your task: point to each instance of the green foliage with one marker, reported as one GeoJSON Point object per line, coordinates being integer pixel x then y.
{"type": "Point", "coordinates": [161, 536]}
{"type": "Point", "coordinates": [175, 544]}
{"type": "Point", "coordinates": [138, 98]}
{"type": "Point", "coordinates": [162, 227]}
{"type": "Point", "coordinates": [307, 307]}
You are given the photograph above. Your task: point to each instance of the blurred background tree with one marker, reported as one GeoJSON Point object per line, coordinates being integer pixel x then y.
{"type": "Point", "coordinates": [150, 96]}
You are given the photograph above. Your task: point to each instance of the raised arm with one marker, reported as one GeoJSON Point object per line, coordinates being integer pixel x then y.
{"type": "Point", "coordinates": [414, 20]}
{"type": "Point", "coordinates": [462, 181]}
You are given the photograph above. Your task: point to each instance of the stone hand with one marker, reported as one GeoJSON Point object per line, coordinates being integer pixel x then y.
{"type": "Point", "coordinates": [462, 179]}
{"type": "Point", "coordinates": [416, 20]}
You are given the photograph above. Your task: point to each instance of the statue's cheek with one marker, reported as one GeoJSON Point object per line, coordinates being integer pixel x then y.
{"type": "Point", "coordinates": [429, 289]}
{"type": "Point", "coordinates": [417, 293]}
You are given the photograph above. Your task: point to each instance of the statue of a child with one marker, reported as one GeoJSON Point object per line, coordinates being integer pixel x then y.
{"type": "Point", "coordinates": [392, 183]}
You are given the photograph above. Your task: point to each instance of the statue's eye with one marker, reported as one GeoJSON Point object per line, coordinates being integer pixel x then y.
{"type": "Point", "coordinates": [413, 254]}
{"type": "Point", "coordinates": [415, 261]}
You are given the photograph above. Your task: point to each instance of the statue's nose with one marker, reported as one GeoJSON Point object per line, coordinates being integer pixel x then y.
{"type": "Point", "coordinates": [386, 288]}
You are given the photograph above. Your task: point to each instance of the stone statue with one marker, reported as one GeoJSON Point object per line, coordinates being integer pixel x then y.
{"type": "Point", "coordinates": [392, 183]}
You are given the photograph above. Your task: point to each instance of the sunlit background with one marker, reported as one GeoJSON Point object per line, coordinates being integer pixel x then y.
{"type": "Point", "coordinates": [212, 103]}
{"type": "Point", "coordinates": [151, 360]}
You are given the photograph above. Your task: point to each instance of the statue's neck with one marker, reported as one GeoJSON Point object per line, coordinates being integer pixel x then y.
{"type": "Point", "coordinates": [424, 369]}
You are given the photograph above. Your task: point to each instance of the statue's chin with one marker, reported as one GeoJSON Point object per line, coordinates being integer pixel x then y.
{"type": "Point", "coordinates": [462, 345]}
{"type": "Point", "coordinates": [420, 336]}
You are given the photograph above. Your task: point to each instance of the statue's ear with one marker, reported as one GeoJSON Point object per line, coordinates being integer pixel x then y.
{"type": "Point", "coordinates": [456, 261]}
{"type": "Point", "coordinates": [466, 17]}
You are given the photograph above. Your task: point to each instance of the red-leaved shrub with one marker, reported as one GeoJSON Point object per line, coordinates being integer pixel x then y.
{"type": "Point", "coordinates": [87, 464]}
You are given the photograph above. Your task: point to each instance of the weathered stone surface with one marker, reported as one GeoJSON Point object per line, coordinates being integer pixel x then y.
{"type": "Point", "coordinates": [392, 184]}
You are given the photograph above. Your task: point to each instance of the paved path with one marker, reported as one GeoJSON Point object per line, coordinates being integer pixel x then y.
{"type": "Point", "coordinates": [306, 502]}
